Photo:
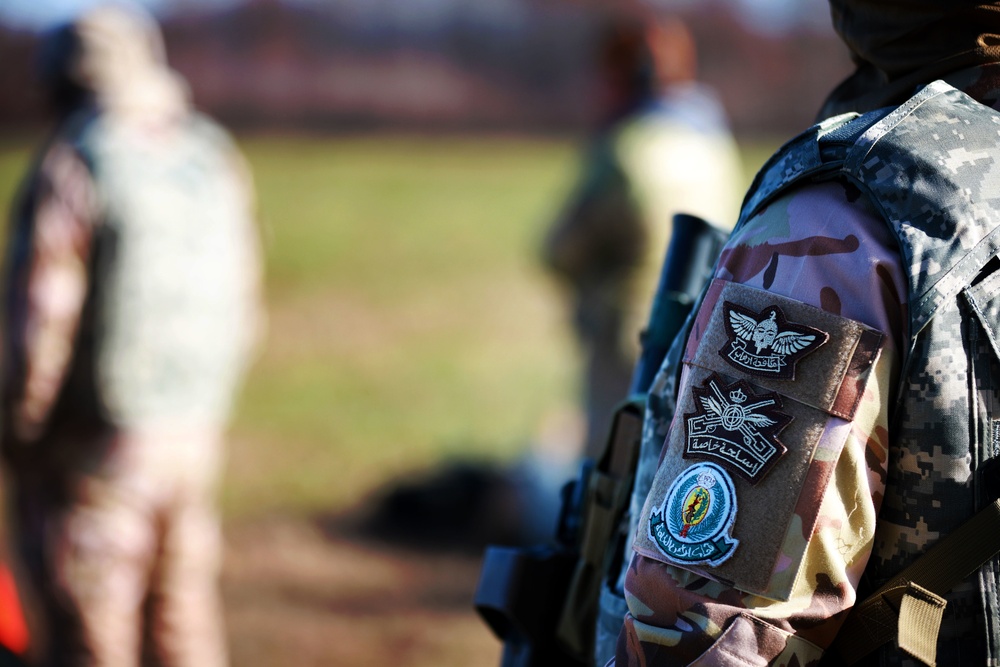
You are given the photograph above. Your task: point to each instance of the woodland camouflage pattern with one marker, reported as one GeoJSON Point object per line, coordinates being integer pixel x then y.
{"type": "Point", "coordinates": [893, 225]}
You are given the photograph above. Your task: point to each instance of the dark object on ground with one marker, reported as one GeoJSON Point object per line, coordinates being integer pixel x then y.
{"type": "Point", "coordinates": [461, 506]}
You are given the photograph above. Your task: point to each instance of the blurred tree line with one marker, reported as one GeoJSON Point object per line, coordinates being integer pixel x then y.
{"type": "Point", "coordinates": [502, 65]}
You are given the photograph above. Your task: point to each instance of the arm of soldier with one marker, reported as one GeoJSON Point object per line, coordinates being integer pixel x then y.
{"type": "Point", "coordinates": [599, 231]}
{"type": "Point", "coordinates": [64, 219]}
{"type": "Point", "coordinates": [823, 247]}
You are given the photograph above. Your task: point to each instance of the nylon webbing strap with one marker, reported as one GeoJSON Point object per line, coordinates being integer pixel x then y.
{"type": "Point", "coordinates": [920, 615]}
{"type": "Point", "coordinates": [909, 607]}
{"type": "Point", "coordinates": [607, 496]}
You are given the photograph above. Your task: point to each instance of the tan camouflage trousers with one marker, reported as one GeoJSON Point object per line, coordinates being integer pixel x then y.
{"type": "Point", "coordinates": [122, 540]}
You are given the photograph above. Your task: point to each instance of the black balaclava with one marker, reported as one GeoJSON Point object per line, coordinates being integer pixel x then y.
{"type": "Point", "coordinates": [900, 45]}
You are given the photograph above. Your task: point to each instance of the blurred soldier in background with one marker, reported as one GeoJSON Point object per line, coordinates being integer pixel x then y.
{"type": "Point", "coordinates": [131, 307]}
{"type": "Point", "coordinates": [662, 146]}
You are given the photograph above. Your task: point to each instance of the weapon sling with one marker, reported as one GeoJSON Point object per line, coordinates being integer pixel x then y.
{"type": "Point", "coordinates": [909, 606]}
{"type": "Point", "coordinates": [608, 492]}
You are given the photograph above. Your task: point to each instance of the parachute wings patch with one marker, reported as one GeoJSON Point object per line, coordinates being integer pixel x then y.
{"type": "Point", "coordinates": [766, 344]}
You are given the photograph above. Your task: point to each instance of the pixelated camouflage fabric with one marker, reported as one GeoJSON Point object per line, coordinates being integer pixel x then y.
{"type": "Point", "coordinates": [928, 169]}
{"type": "Point", "coordinates": [931, 168]}
{"type": "Point", "coordinates": [172, 313]}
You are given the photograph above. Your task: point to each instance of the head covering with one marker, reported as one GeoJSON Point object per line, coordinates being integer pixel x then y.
{"type": "Point", "coordinates": [641, 54]}
{"type": "Point", "coordinates": [114, 55]}
{"type": "Point", "coordinates": [899, 45]}
{"type": "Point", "coordinates": [624, 55]}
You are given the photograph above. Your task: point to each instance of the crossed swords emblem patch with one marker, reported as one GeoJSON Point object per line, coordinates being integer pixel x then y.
{"type": "Point", "coordinates": [735, 426]}
{"type": "Point", "coordinates": [732, 429]}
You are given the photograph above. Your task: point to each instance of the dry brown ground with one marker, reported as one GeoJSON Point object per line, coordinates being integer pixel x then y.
{"type": "Point", "coordinates": [298, 595]}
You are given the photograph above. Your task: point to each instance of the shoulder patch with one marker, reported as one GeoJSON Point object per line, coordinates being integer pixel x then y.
{"type": "Point", "coordinates": [776, 343]}
{"type": "Point", "coordinates": [694, 523]}
{"type": "Point", "coordinates": [772, 443]}
{"type": "Point", "coordinates": [799, 351]}
{"type": "Point", "coordinates": [736, 427]}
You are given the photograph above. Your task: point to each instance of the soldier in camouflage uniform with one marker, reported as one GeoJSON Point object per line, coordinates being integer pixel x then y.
{"type": "Point", "coordinates": [832, 408]}
{"type": "Point", "coordinates": [663, 146]}
{"type": "Point", "coordinates": [131, 307]}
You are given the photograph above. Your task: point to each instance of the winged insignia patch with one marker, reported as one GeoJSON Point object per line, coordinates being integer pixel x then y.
{"type": "Point", "coordinates": [766, 344]}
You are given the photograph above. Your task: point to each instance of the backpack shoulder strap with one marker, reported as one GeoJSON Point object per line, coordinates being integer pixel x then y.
{"type": "Point", "coordinates": [819, 151]}
{"type": "Point", "coordinates": [909, 606]}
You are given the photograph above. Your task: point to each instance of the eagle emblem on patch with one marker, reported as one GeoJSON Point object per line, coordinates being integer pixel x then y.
{"type": "Point", "coordinates": [694, 523]}
{"type": "Point", "coordinates": [736, 427]}
{"type": "Point", "coordinates": [766, 344]}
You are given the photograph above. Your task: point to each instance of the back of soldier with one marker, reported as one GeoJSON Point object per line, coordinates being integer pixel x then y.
{"type": "Point", "coordinates": [172, 316]}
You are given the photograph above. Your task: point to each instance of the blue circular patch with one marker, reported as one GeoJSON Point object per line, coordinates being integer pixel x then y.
{"type": "Point", "coordinates": [694, 523]}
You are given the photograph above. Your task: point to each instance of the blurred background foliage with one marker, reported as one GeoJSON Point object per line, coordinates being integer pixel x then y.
{"type": "Point", "coordinates": [446, 65]}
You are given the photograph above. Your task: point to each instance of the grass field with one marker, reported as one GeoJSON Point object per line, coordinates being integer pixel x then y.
{"type": "Point", "coordinates": [409, 317]}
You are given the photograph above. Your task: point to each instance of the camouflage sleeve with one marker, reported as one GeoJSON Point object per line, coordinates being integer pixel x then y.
{"type": "Point", "coordinates": [760, 520]}
{"type": "Point", "coordinates": [55, 285]}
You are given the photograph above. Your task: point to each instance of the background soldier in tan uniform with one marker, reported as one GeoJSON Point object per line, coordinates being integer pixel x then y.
{"type": "Point", "coordinates": [131, 307]}
{"type": "Point", "coordinates": [662, 147]}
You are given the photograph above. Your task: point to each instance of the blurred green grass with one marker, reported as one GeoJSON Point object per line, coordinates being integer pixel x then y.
{"type": "Point", "coordinates": [409, 317]}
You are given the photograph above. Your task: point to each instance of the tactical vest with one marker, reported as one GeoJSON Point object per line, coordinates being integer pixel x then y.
{"type": "Point", "coordinates": [931, 167]}
{"type": "Point", "coordinates": [169, 317]}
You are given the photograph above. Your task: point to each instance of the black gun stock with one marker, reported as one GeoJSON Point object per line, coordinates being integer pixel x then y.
{"type": "Point", "coordinates": [542, 601]}
{"type": "Point", "coordinates": [694, 247]}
